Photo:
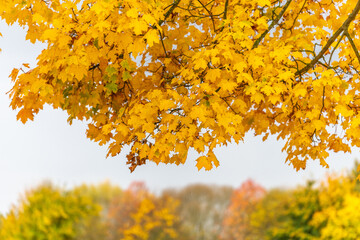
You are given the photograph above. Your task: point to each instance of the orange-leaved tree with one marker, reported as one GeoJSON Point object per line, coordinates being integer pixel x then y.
{"type": "Point", "coordinates": [166, 76]}
{"type": "Point", "coordinates": [238, 222]}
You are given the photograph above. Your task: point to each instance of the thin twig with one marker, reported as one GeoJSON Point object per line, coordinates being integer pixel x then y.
{"type": "Point", "coordinates": [352, 44]}
{"type": "Point", "coordinates": [167, 14]}
{"type": "Point", "coordinates": [323, 103]}
{"type": "Point", "coordinates": [343, 28]}
{"type": "Point", "coordinates": [277, 19]}
{"type": "Point", "coordinates": [337, 44]}
{"type": "Point", "coordinates": [210, 14]}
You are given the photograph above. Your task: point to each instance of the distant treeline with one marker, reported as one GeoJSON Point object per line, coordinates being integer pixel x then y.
{"type": "Point", "coordinates": [318, 210]}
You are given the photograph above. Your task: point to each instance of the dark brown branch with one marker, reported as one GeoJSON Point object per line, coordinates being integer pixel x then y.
{"type": "Point", "coordinates": [343, 28]}
{"type": "Point", "coordinates": [297, 16]}
{"type": "Point", "coordinates": [277, 19]}
{"type": "Point", "coordinates": [337, 44]}
{"type": "Point", "coordinates": [225, 14]}
{"type": "Point", "coordinates": [230, 106]}
{"type": "Point", "coordinates": [352, 44]}
{"type": "Point", "coordinates": [225, 10]}
{"type": "Point", "coordinates": [74, 14]}
{"type": "Point", "coordinates": [323, 103]}
{"type": "Point", "coordinates": [162, 43]}
{"type": "Point", "coordinates": [167, 14]}
{"type": "Point", "coordinates": [210, 14]}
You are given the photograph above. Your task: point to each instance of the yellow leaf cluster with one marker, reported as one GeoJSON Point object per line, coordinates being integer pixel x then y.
{"type": "Point", "coordinates": [166, 76]}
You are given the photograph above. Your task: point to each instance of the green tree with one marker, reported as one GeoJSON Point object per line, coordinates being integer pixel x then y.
{"type": "Point", "coordinates": [324, 212]}
{"type": "Point", "coordinates": [269, 213]}
{"type": "Point", "coordinates": [47, 213]}
{"type": "Point", "coordinates": [294, 222]}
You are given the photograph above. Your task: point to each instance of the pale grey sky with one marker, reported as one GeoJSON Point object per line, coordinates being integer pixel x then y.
{"type": "Point", "coordinates": [50, 149]}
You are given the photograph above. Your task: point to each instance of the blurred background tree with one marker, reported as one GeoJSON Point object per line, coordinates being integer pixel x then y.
{"type": "Point", "coordinates": [97, 227]}
{"type": "Point", "coordinates": [318, 210]}
{"type": "Point", "coordinates": [293, 222]}
{"type": "Point", "coordinates": [339, 217]}
{"type": "Point", "coordinates": [237, 223]}
{"type": "Point", "coordinates": [268, 211]}
{"type": "Point", "coordinates": [201, 210]}
{"type": "Point", "coordinates": [155, 219]}
{"type": "Point", "coordinates": [47, 213]}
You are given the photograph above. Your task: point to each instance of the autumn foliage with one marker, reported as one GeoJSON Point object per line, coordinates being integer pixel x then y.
{"type": "Point", "coordinates": [167, 76]}
{"type": "Point", "coordinates": [46, 213]}
{"type": "Point", "coordinates": [91, 212]}
{"type": "Point", "coordinates": [318, 210]}
{"type": "Point", "coordinates": [243, 202]}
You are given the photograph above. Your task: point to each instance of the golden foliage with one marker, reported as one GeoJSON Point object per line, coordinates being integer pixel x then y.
{"type": "Point", "coordinates": [166, 76]}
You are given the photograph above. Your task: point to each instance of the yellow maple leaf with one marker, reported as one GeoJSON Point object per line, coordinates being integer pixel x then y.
{"type": "Point", "coordinates": [318, 124]}
{"type": "Point", "coordinates": [24, 115]}
{"type": "Point", "coordinates": [207, 162]}
{"type": "Point", "coordinates": [213, 74]}
{"type": "Point", "coordinates": [257, 97]}
{"type": "Point", "coordinates": [50, 34]}
{"type": "Point", "coordinates": [133, 13]}
{"type": "Point", "coordinates": [300, 91]}
{"type": "Point", "coordinates": [200, 64]}
{"type": "Point", "coordinates": [203, 162]}
{"type": "Point", "coordinates": [343, 110]}
{"type": "Point", "coordinates": [152, 37]}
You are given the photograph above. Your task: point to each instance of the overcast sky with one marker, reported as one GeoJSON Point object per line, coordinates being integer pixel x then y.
{"type": "Point", "coordinates": [50, 149]}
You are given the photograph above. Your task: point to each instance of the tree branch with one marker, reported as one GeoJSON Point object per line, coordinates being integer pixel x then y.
{"type": "Point", "coordinates": [343, 28]}
{"type": "Point", "coordinates": [167, 14]}
{"type": "Point", "coordinates": [352, 44]}
{"type": "Point", "coordinates": [225, 10]}
{"type": "Point", "coordinates": [337, 44]}
{"type": "Point", "coordinates": [210, 14]}
{"type": "Point", "coordinates": [277, 19]}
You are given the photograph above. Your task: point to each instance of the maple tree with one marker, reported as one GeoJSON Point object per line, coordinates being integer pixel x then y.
{"type": "Point", "coordinates": [166, 76]}
{"type": "Point", "coordinates": [153, 220]}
